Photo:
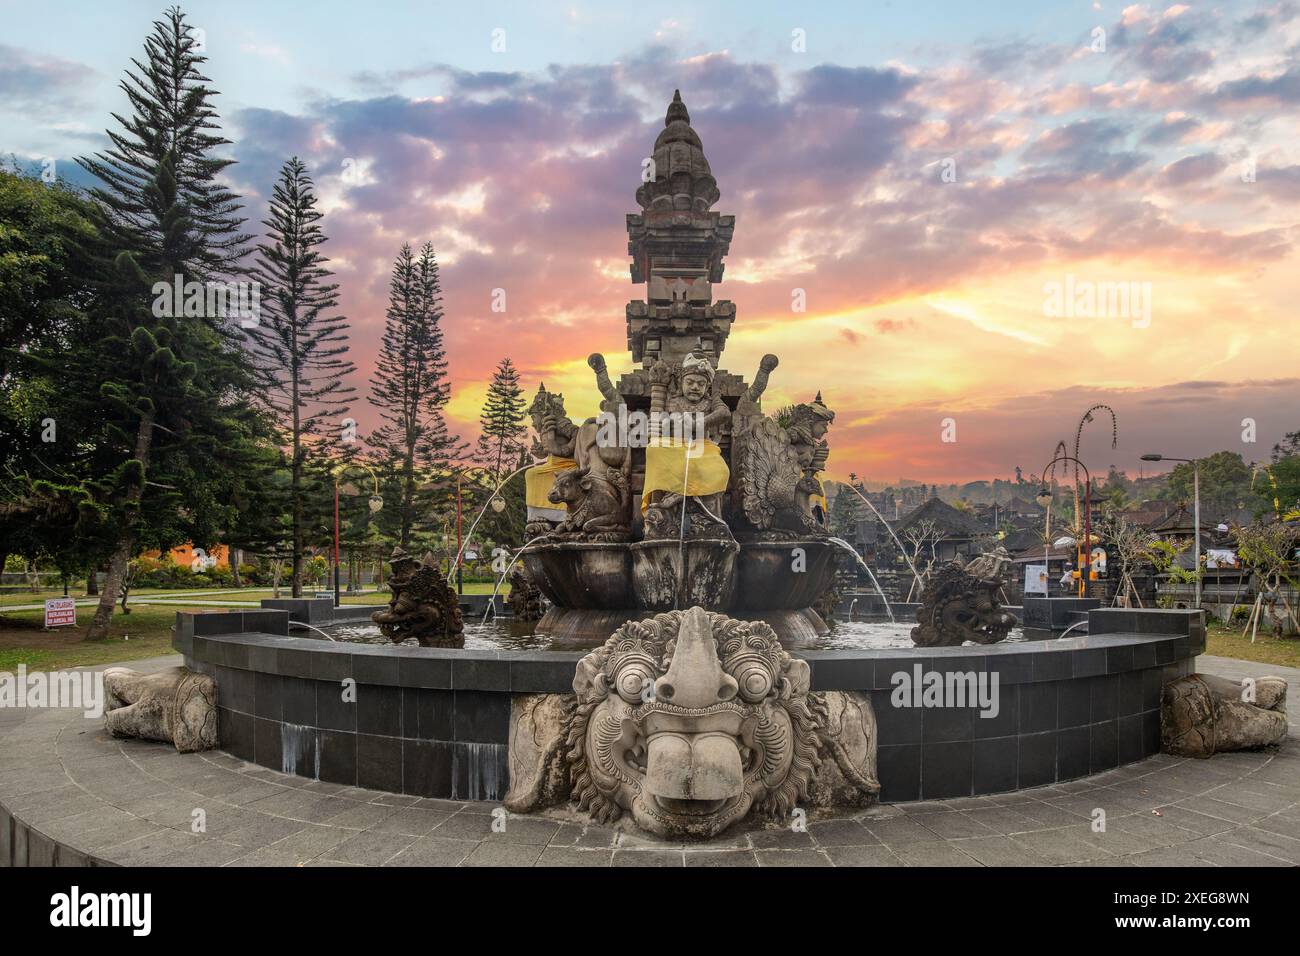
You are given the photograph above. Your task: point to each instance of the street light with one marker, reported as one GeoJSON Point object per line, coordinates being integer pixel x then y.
{"type": "Point", "coordinates": [1196, 513]}
{"type": "Point", "coordinates": [497, 503]}
{"type": "Point", "coordinates": [1085, 551]}
{"type": "Point", "coordinates": [376, 502]}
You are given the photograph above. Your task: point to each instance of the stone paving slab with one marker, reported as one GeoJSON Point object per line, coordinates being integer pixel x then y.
{"type": "Point", "coordinates": [85, 798]}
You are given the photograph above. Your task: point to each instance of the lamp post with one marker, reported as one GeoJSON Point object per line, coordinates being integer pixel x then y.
{"type": "Point", "coordinates": [376, 503]}
{"type": "Point", "coordinates": [498, 505]}
{"type": "Point", "coordinates": [1044, 498]}
{"type": "Point", "coordinates": [1085, 551]}
{"type": "Point", "coordinates": [1196, 515]}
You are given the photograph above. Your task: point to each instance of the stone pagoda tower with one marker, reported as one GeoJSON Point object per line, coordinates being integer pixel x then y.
{"type": "Point", "coordinates": [677, 244]}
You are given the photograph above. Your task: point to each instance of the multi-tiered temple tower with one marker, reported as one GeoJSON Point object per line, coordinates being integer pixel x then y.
{"type": "Point", "coordinates": [731, 519]}
{"type": "Point", "coordinates": [677, 244]}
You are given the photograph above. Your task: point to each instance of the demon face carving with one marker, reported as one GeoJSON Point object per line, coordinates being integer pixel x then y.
{"type": "Point", "coordinates": [690, 720]}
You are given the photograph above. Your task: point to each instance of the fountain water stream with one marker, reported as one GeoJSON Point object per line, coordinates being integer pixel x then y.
{"type": "Point", "coordinates": [492, 602]}
{"type": "Point", "coordinates": [871, 574]}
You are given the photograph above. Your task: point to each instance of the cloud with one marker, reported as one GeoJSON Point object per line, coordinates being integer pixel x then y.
{"type": "Point", "coordinates": [1193, 168]}
{"type": "Point", "coordinates": [42, 85]}
{"type": "Point", "coordinates": [924, 293]}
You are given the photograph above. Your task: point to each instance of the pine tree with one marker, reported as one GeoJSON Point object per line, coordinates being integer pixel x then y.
{"type": "Point", "coordinates": [410, 389]}
{"type": "Point", "coordinates": [299, 349]}
{"type": "Point", "coordinates": [502, 432]}
{"type": "Point", "coordinates": [166, 391]}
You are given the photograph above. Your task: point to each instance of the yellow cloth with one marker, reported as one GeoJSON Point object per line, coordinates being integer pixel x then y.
{"type": "Point", "coordinates": [695, 470]}
{"type": "Point", "coordinates": [540, 479]}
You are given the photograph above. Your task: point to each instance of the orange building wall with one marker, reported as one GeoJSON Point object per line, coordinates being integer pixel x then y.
{"type": "Point", "coordinates": [184, 555]}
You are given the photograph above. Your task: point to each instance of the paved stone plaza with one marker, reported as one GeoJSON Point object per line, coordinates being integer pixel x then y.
{"type": "Point", "coordinates": [77, 796]}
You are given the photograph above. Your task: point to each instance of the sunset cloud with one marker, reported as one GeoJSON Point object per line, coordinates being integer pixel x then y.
{"type": "Point", "coordinates": [922, 204]}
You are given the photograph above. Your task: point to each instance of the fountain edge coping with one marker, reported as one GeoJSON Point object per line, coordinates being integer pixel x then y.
{"type": "Point", "coordinates": [1158, 638]}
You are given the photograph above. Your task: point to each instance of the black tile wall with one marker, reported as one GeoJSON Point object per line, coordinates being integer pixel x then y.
{"type": "Point", "coordinates": [996, 764]}
{"type": "Point", "coordinates": [379, 762]}
{"type": "Point", "coordinates": [1103, 746]}
{"type": "Point", "coordinates": [1037, 707]}
{"type": "Point", "coordinates": [899, 767]}
{"type": "Point", "coordinates": [481, 717]}
{"type": "Point", "coordinates": [1037, 759]}
{"type": "Point", "coordinates": [946, 770]}
{"type": "Point", "coordinates": [379, 710]}
{"type": "Point", "coordinates": [1073, 752]}
{"type": "Point", "coordinates": [426, 768]}
{"type": "Point", "coordinates": [333, 711]}
{"type": "Point", "coordinates": [1006, 722]}
{"type": "Point", "coordinates": [338, 757]}
{"type": "Point", "coordinates": [435, 724]}
{"type": "Point", "coordinates": [267, 744]}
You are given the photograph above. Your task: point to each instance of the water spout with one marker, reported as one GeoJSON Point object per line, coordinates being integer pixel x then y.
{"type": "Point", "coordinates": [492, 602]}
{"type": "Point", "coordinates": [482, 511]}
{"type": "Point", "coordinates": [871, 574]}
{"type": "Point", "coordinates": [310, 628]}
{"type": "Point", "coordinates": [1072, 627]}
{"type": "Point", "coordinates": [882, 520]}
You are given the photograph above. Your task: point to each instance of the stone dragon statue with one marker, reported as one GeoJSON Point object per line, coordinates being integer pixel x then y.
{"type": "Point", "coordinates": [689, 722]}
{"type": "Point", "coordinates": [962, 603]}
{"type": "Point", "coordinates": [525, 599]}
{"type": "Point", "coordinates": [423, 606]}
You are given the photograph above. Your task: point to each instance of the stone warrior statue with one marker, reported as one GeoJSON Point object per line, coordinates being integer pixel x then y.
{"type": "Point", "coordinates": [423, 606]}
{"type": "Point", "coordinates": [175, 705]}
{"type": "Point", "coordinates": [962, 603]}
{"type": "Point", "coordinates": [780, 494]}
{"type": "Point", "coordinates": [678, 394]}
{"type": "Point", "coordinates": [1201, 715]}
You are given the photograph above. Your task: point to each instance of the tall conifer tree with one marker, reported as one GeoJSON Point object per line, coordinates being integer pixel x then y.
{"type": "Point", "coordinates": [411, 391]}
{"type": "Point", "coordinates": [168, 391]}
{"type": "Point", "coordinates": [299, 350]}
{"type": "Point", "coordinates": [502, 432]}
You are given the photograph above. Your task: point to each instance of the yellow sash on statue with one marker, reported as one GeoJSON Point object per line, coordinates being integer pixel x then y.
{"type": "Point", "coordinates": [538, 482]}
{"type": "Point", "coordinates": [695, 470]}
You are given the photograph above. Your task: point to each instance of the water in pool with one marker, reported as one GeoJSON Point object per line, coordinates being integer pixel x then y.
{"type": "Point", "coordinates": [507, 634]}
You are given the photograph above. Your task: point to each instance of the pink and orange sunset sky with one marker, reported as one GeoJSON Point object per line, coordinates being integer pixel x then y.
{"type": "Point", "coordinates": [923, 171]}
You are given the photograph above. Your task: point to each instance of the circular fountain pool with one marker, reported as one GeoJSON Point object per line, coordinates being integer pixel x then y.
{"type": "Point", "coordinates": [436, 722]}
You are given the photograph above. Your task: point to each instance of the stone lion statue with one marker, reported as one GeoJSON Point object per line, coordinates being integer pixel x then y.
{"type": "Point", "coordinates": [1201, 715]}
{"type": "Point", "coordinates": [962, 603]}
{"type": "Point", "coordinates": [688, 722]}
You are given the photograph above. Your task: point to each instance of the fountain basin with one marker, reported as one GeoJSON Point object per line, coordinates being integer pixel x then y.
{"type": "Point", "coordinates": [436, 722]}
{"type": "Point", "coordinates": [673, 574]}
{"type": "Point", "coordinates": [595, 575]}
{"type": "Point", "coordinates": [782, 575]}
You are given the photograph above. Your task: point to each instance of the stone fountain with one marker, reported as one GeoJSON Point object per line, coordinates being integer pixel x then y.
{"type": "Point", "coordinates": [682, 492]}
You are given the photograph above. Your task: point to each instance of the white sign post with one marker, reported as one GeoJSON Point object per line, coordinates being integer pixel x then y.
{"type": "Point", "coordinates": [1036, 579]}
{"type": "Point", "coordinates": [61, 612]}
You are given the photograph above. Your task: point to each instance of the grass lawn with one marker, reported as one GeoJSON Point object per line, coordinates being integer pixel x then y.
{"type": "Point", "coordinates": [145, 632]}
{"type": "Point", "coordinates": [1224, 641]}
{"type": "Point", "coordinates": [18, 599]}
